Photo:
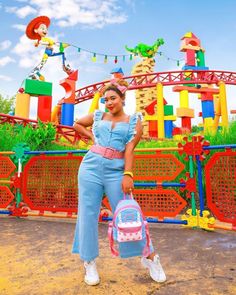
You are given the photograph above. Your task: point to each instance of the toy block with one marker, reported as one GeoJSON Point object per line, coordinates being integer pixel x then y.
{"type": "Point", "coordinates": [22, 105]}
{"type": "Point", "coordinates": [176, 131]}
{"type": "Point", "coordinates": [185, 112]}
{"type": "Point", "coordinates": [168, 127]}
{"type": "Point", "coordinates": [44, 108]}
{"type": "Point", "coordinates": [73, 76]}
{"type": "Point", "coordinates": [208, 109]}
{"type": "Point", "coordinates": [36, 87]}
{"type": "Point", "coordinates": [187, 35]}
{"type": "Point", "coordinates": [195, 68]}
{"type": "Point", "coordinates": [150, 108]}
{"type": "Point", "coordinates": [207, 96]}
{"type": "Point", "coordinates": [196, 90]}
{"type": "Point", "coordinates": [200, 58]}
{"type": "Point", "coordinates": [190, 57]}
{"type": "Point", "coordinates": [155, 118]}
{"type": "Point", "coordinates": [170, 118]}
{"type": "Point", "coordinates": [117, 70]}
{"type": "Point", "coordinates": [168, 110]}
{"type": "Point", "coordinates": [188, 74]}
{"type": "Point", "coordinates": [152, 129]}
{"type": "Point", "coordinates": [69, 86]}
{"type": "Point", "coordinates": [209, 125]}
{"type": "Point", "coordinates": [186, 123]}
{"type": "Point", "coordinates": [185, 47]}
{"type": "Point", "coordinates": [67, 114]}
{"type": "Point", "coordinates": [184, 99]}
{"type": "Point", "coordinates": [150, 118]}
{"type": "Point", "coordinates": [190, 35]}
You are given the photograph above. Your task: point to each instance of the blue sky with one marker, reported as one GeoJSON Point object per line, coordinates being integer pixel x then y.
{"type": "Point", "coordinates": [106, 27]}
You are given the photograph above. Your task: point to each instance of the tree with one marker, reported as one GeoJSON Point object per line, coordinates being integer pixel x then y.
{"type": "Point", "coordinates": [6, 104]}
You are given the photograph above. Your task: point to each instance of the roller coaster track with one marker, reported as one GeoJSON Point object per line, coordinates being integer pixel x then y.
{"type": "Point", "coordinates": [166, 78]}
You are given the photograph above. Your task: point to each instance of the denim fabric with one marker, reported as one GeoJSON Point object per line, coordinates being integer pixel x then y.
{"type": "Point", "coordinates": [98, 175]}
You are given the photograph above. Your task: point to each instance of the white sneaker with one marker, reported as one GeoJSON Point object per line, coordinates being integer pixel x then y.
{"type": "Point", "coordinates": [156, 271]}
{"type": "Point", "coordinates": [91, 276]}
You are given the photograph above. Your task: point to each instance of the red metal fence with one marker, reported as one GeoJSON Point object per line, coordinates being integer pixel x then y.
{"type": "Point", "coordinates": [49, 183]}
{"type": "Point", "coordinates": [7, 167]}
{"type": "Point", "coordinates": [220, 174]}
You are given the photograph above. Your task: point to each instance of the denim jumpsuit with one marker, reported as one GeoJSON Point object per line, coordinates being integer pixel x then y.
{"type": "Point", "coordinates": [96, 176]}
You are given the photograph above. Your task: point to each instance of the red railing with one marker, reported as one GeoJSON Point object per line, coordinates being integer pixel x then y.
{"type": "Point", "coordinates": [166, 78]}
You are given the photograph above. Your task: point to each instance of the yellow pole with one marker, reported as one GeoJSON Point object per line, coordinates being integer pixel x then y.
{"type": "Point", "coordinates": [223, 104]}
{"type": "Point", "coordinates": [217, 113]}
{"type": "Point", "coordinates": [95, 101]}
{"type": "Point", "coordinates": [160, 111]}
{"type": "Point", "coordinates": [54, 114]}
{"type": "Point", "coordinates": [184, 101]}
{"type": "Point", "coordinates": [22, 105]}
{"type": "Point", "coordinates": [209, 126]}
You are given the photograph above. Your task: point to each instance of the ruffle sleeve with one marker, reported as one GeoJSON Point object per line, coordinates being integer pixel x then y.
{"type": "Point", "coordinates": [97, 116]}
{"type": "Point", "coordinates": [132, 126]}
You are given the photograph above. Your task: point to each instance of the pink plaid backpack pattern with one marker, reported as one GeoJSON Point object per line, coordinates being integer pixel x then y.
{"type": "Point", "coordinates": [128, 225]}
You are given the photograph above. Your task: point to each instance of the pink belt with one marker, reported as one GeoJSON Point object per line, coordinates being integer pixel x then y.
{"type": "Point", "coordinates": [107, 152]}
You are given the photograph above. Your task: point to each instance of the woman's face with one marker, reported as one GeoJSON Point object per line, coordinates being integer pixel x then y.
{"type": "Point", "coordinates": [113, 102]}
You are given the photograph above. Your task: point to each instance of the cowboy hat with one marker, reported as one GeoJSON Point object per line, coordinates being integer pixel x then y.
{"type": "Point", "coordinates": [30, 33]}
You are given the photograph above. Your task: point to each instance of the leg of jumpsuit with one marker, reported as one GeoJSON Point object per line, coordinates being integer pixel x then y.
{"type": "Point", "coordinates": [113, 189]}
{"type": "Point", "coordinates": [90, 197]}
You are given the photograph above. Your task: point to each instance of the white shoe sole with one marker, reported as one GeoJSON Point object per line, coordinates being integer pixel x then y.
{"type": "Point", "coordinates": [92, 283]}
{"type": "Point", "coordinates": [143, 262]}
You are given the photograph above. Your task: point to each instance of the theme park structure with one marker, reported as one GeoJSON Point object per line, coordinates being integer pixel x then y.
{"type": "Point", "coordinates": [45, 183]}
{"type": "Point", "coordinates": [195, 77]}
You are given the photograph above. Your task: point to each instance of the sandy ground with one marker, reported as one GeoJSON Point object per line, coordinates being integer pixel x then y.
{"type": "Point", "coordinates": [36, 259]}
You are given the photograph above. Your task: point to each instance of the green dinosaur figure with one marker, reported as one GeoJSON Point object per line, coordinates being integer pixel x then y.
{"type": "Point", "coordinates": [145, 50]}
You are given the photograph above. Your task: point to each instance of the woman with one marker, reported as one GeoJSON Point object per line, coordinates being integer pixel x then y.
{"type": "Point", "coordinates": [107, 167]}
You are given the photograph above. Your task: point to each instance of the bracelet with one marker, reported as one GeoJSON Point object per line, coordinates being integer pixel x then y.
{"type": "Point", "coordinates": [128, 173]}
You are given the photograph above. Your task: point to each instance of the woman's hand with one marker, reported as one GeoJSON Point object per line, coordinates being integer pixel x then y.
{"type": "Point", "coordinates": [127, 184]}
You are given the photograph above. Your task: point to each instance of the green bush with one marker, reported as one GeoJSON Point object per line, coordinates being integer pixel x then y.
{"type": "Point", "coordinates": [39, 138]}
{"type": "Point", "coordinates": [223, 136]}
{"type": "Point", "coordinates": [6, 104]}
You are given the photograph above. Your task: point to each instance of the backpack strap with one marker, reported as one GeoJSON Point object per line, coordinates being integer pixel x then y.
{"type": "Point", "coordinates": [111, 240]}
{"type": "Point", "coordinates": [146, 250]}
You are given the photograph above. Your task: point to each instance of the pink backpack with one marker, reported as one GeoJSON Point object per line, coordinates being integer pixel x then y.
{"type": "Point", "coordinates": [128, 225]}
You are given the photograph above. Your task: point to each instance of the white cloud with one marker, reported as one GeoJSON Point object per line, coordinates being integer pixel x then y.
{"type": "Point", "coordinates": [5, 78]}
{"type": "Point", "coordinates": [95, 14]}
{"type": "Point", "coordinates": [5, 45]}
{"type": "Point", "coordinates": [19, 27]}
{"type": "Point", "coordinates": [26, 51]}
{"type": "Point", "coordinates": [6, 60]}
{"type": "Point", "coordinates": [21, 12]}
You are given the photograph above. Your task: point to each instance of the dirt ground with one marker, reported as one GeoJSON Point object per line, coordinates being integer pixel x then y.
{"type": "Point", "coordinates": [36, 259]}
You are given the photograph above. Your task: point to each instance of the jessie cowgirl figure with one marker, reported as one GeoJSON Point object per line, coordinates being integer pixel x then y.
{"type": "Point", "coordinates": [37, 30]}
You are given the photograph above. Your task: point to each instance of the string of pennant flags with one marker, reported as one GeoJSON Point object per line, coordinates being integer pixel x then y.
{"type": "Point", "coordinates": [119, 57]}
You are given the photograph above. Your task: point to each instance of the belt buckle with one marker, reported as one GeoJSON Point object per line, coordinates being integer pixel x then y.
{"type": "Point", "coordinates": [109, 153]}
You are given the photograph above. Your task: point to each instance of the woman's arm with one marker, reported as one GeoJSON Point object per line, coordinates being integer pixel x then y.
{"type": "Point", "coordinates": [128, 182]}
{"type": "Point", "coordinates": [81, 124]}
